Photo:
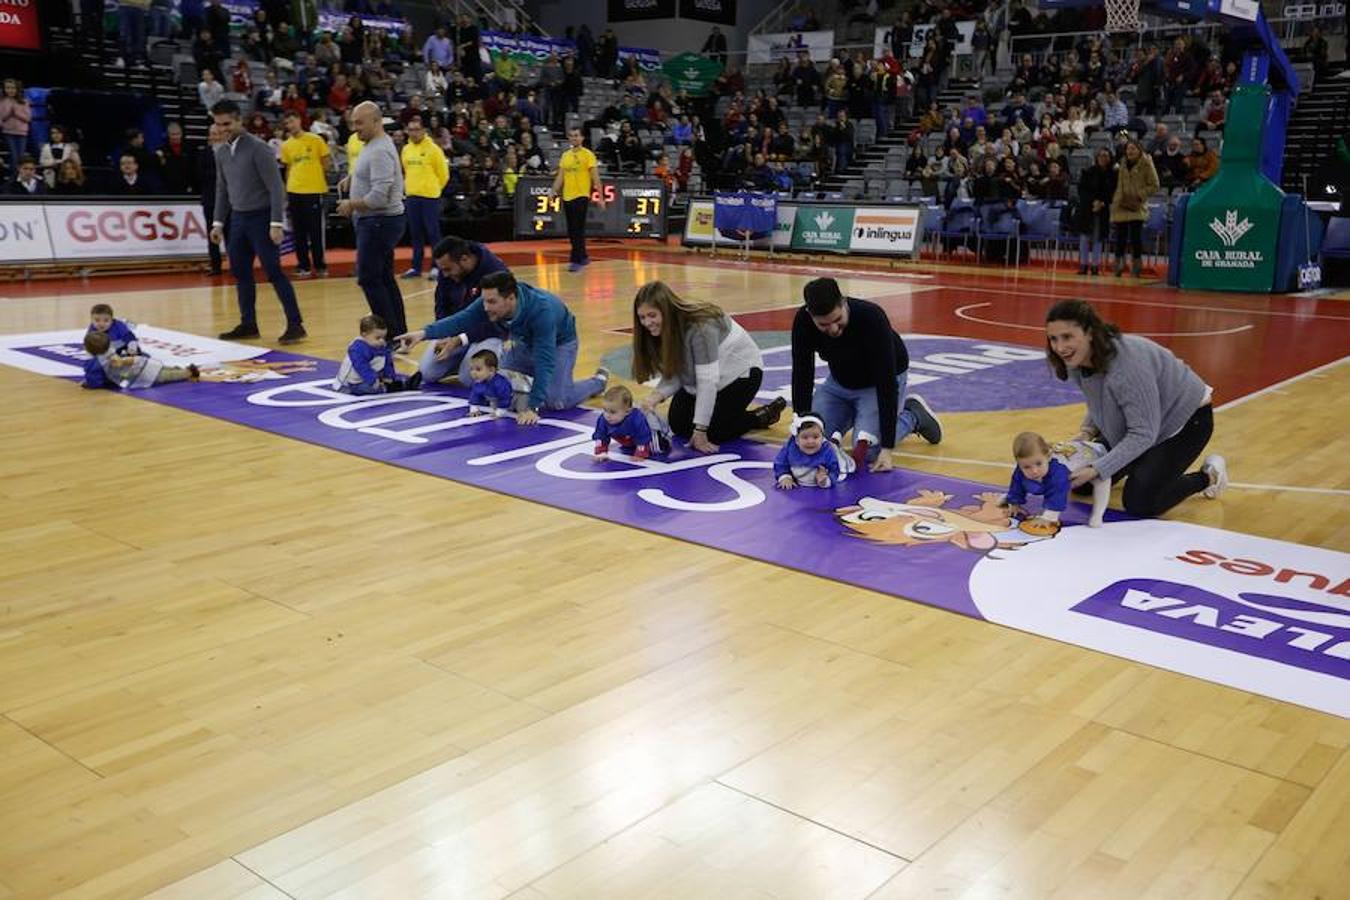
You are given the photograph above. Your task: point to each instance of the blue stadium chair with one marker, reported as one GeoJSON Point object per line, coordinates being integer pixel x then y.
{"type": "Point", "coordinates": [931, 218]}
{"type": "Point", "coordinates": [958, 224]}
{"type": "Point", "coordinates": [1336, 241]}
{"type": "Point", "coordinates": [1155, 227]}
{"type": "Point", "coordinates": [995, 222]}
{"type": "Point", "coordinates": [1041, 225]}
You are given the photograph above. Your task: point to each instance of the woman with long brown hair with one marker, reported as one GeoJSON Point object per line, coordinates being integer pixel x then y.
{"type": "Point", "coordinates": [709, 367]}
{"type": "Point", "coordinates": [1150, 409]}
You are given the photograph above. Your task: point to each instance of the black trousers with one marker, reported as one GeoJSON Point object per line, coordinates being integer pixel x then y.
{"type": "Point", "coordinates": [212, 249]}
{"type": "Point", "coordinates": [731, 416]}
{"type": "Point", "coordinates": [307, 229]}
{"type": "Point", "coordinates": [1157, 481]}
{"type": "Point", "coordinates": [575, 211]}
{"type": "Point", "coordinates": [1131, 234]}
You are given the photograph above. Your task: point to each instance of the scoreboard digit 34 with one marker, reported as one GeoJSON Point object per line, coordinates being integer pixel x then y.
{"type": "Point", "coordinates": [634, 208]}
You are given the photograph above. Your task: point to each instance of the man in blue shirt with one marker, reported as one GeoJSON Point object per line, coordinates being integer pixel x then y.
{"type": "Point", "coordinates": [543, 335]}
{"type": "Point", "coordinates": [461, 266]}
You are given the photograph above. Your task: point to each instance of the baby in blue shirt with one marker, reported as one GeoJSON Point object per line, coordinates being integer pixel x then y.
{"type": "Point", "coordinates": [368, 367]}
{"type": "Point", "coordinates": [121, 339]}
{"type": "Point", "coordinates": [495, 390]}
{"type": "Point", "coordinates": [639, 432]}
{"type": "Point", "coordinates": [808, 459]}
{"type": "Point", "coordinates": [1047, 471]}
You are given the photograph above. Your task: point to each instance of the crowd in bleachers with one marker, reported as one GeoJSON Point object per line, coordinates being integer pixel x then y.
{"type": "Point", "coordinates": [785, 128]}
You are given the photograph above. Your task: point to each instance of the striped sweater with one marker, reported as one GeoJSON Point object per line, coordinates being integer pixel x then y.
{"type": "Point", "coordinates": [1145, 396]}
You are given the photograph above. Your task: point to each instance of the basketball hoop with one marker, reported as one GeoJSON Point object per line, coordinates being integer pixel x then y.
{"type": "Point", "coordinates": [1122, 15]}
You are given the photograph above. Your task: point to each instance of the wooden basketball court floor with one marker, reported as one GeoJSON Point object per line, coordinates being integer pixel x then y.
{"type": "Point", "coordinates": [234, 665]}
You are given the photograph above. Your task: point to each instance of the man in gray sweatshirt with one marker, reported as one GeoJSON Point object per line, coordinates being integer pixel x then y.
{"type": "Point", "coordinates": [250, 194]}
{"type": "Point", "coordinates": [376, 206]}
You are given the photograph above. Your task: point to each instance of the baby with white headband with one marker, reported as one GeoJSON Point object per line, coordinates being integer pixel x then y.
{"type": "Point", "coordinates": [808, 459]}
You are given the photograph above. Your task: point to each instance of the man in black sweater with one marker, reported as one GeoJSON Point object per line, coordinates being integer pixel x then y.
{"type": "Point", "coordinates": [869, 367]}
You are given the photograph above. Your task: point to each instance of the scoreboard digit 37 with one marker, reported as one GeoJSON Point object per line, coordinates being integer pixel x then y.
{"type": "Point", "coordinates": [634, 208]}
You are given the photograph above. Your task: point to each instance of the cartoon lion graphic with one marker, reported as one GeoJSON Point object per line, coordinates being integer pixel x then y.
{"type": "Point", "coordinates": [925, 519]}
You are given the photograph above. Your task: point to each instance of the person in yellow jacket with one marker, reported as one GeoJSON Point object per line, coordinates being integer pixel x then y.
{"type": "Point", "coordinates": [353, 145]}
{"type": "Point", "coordinates": [308, 162]}
{"type": "Point", "coordinates": [578, 175]}
{"type": "Point", "coordinates": [425, 174]}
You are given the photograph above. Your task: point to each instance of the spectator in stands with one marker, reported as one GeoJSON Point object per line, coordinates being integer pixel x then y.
{"type": "Point", "coordinates": [1115, 114]}
{"type": "Point", "coordinates": [607, 54]}
{"type": "Point", "coordinates": [806, 81]}
{"type": "Point", "coordinates": [177, 163]}
{"type": "Point", "coordinates": [293, 103]}
{"type": "Point", "coordinates": [438, 50]}
{"type": "Point", "coordinates": [129, 182]}
{"type": "Point", "coordinates": [528, 106]}
{"type": "Point", "coordinates": [1019, 108]}
{"type": "Point", "coordinates": [1177, 68]}
{"type": "Point", "coordinates": [1157, 143]}
{"type": "Point", "coordinates": [715, 47]}
{"type": "Point", "coordinates": [982, 51]}
{"type": "Point", "coordinates": [326, 51]}
{"type": "Point", "coordinates": [1315, 51]}
{"type": "Point", "coordinates": [27, 182]}
{"type": "Point", "coordinates": [836, 89]}
{"type": "Point", "coordinates": [1136, 181]}
{"type": "Point", "coordinates": [1096, 191]}
{"type": "Point", "coordinates": [1171, 165]}
{"type": "Point", "coordinates": [259, 126]}
{"type": "Point", "coordinates": [1071, 132]}
{"type": "Point", "coordinates": [270, 95]}
{"type": "Point", "coordinates": [206, 56]}
{"type": "Point", "coordinates": [340, 94]}
{"type": "Point", "coordinates": [1150, 77]}
{"type": "Point", "coordinates": [1214, 112]}
{"type": "Point", "coordinates": [15, 115]}
{"type": "Point", "coordinates": [70, 179]}
{"type": "Point", "coordinates": [131, 16]}
{"type": "Point", "coordinates": [56, 151]}
{"type": "Point", "coordinates": [241, 79]}
{"type": "Point", "coordinates": [842, 136]}
{"type": "Point", "coordinates": [209, 90]}
{"type": "Point", "coordinates": [255, 49]}
{"type": "Point", "coordinates": [192, 15]}
{"type": "Point", "coordinates": [1201, 164]}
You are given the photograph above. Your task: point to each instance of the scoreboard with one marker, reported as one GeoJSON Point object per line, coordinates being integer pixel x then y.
{"type": "Point", "coordinates": [634, 207]}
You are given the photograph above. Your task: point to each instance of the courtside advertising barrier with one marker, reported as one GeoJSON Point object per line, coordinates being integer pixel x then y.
{"type": "Point", "coordinates": [53, 232]}
{"type": "Point", "coordinates": [880, 230]}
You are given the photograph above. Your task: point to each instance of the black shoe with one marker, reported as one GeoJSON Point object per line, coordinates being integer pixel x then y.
{"type": "Point", "coordinates": [293, 334]}
{"type": "Point", "coordinates": [1096, 270]}
{"type": "Point", "coordinates": [240, 332]}
{"type": "Point", "coordinates": [926, 425]}
{"type": "Point", "coordinates": [1082, 270]}
{"type": "Point", "coordinates": [768, 415]}
{"type": "Point", "coordinates": [414, 382]}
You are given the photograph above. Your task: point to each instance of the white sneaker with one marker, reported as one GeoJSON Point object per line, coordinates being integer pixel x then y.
{"type": "Point", "coordinates": [1216, 467]}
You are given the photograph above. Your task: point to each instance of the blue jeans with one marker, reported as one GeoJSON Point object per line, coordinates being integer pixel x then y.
{"type": "Point", "coordinates": [844, 408]}
{"type": "Point", "coordinates": [376, 238]}
{"type": "Point", "coordinates": [161, 23]}
{"type": "Point", "coordinates": [1089, 250]}
{"type": "Point", "coordinates": [424, 221]}
{"type": "Point", "coordinates": [562, 391]}
{"type": "Point", "coordinates": [131, 23]}
{"type": "Point", "coordinates": [843, 156]}
{"type": "Point", "coordinates": [248, 236]}
{"type": "Point", "coordinates": [457, 363]}
{"type": "Point", "coordinates": [17, 144]}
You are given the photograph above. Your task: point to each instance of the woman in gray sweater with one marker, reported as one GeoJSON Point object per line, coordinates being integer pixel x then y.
{"type": "Point", "coordinates": [1149, 408]}
{"type": "Point", "coordinates": [709, 367]}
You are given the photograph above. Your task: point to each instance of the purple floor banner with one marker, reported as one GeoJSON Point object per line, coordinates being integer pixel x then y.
{"type": "Point", "coordinates": [1261, 615]}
